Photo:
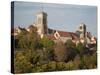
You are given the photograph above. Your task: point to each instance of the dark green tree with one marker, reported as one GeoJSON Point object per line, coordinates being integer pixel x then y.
{"type": "Point", "coordinates": [69, 44]}
{"type": "Point", "coordinates": [71, 50]}
{"type": "Point", "coordinates": [81, 48]}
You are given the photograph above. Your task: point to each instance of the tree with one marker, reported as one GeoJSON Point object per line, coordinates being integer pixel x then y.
{"type": "Point", "coordinates": [21, 64]}
{"type": "Point", "coordinates": [33, 40]}
{"type": "Point", "coordinates": [22, 42]}
{"type": "Point", "coordinates": [90, 61]}
{"type": "Point", "coordinates": [81, 48]}
{"type": "Point", "coordinates": [46, 42]}
{"type": "Point", "coordinates": [47, 48]}
{"type": "Point", "coordinates": [69, 44]}
{"type": "Point", "coordinates": [60, 52]}
{"type": "Point", "coordinates": [32, 56]}
{"type": "Point", "coordinates": [71, 50]}
{"type": "Point", "coordinates": [28, 40]}
{"type": "Point", "coordinates": [49, 52]}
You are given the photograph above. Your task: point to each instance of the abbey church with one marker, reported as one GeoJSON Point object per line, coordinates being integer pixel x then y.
{"type": "Point", "coordinates": [41, 23]}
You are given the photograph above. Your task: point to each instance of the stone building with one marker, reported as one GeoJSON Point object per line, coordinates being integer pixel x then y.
{"type": "Point", "coordinates": [41, 26]}
{"type": "Point", "coordinates": [41, 23]}
{"type": "Point", "coordinates": [81, 31]}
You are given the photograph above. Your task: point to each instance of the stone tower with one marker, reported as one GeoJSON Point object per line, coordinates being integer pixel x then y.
{"type": "Point", "coordinates": [82, 30]}
{"type": "Point", "coordinates": [41, 23]}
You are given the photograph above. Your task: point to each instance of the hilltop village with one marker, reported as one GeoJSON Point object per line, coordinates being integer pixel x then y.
{"type": "Point", "coordinates": [81, 34]}
{"type": "Point", "coordinates": [41, 49]}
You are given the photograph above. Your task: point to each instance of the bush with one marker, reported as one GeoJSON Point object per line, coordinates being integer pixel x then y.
{"type": "Point", "coordinates": [21, 64]}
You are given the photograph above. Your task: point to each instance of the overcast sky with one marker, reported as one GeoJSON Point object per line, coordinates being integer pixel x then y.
{"type": "Point", "coordinates": [60, 16]}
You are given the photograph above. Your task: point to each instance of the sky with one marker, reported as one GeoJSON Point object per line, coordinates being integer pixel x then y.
{"type": "Point", "coordinates": [64, 17]}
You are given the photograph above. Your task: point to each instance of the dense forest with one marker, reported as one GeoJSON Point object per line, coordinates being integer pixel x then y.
{"type": "Point", "coordinates": [33, 54]}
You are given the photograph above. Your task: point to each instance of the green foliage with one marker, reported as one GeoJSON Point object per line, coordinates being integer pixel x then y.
{"type": "Point", "coordinates": [44, 67]}
{"type": "Point", "coordinates": [49, 53]}
{"type": "Point", "coordinates": [81, 48]}
{"type": "Point", "coordinates": [90, 61]}
{"type": "Point", "coordinates": [46, 42]}
{"type": "Point", "coordinates": [69, 44]}
{"type": "Point", "coordinates": [60, 66]}
{"type": "Point", "coordinates": [33, 54]}
{"type": "Point", "coordinates": [22, 42]}
{"type": "Point", "coordinates": [21, 64]}
{"type": "Point", "coordinates": [69, 66]}
{"type": "Point", "coordinates": [52, 66]}
{"type": "Point", "coordinates": [27, 40]}
{"type": "Point", "coordinates": [30, 61]}
{"type": "Point", "coordinates": [71, 50]}
{"type": "Point", "coordinates": [77, 62]}
{"type": "Point", "coordinates": [70, 54]}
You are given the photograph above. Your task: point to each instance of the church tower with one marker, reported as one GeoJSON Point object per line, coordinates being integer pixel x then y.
{"type": "Point", "coordinates": [41, 23]}
{"type": "Point", "coordinates": [82, 30]}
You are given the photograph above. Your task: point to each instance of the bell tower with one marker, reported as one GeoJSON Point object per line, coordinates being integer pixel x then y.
{"type": "Point", "coordinates": [41, 23]}
{"type": "Point", "coordinates": [83, 30]}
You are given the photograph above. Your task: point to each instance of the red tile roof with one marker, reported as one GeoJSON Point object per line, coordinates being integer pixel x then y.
{"type": "Point", "coordinates": [51, 37]}
{"type": "Point", "coordinates": [64, 34]}
{"type": "Point", "coordinates": [68, 34]}
{"type": "Point", "coordinates": [74, 36]}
